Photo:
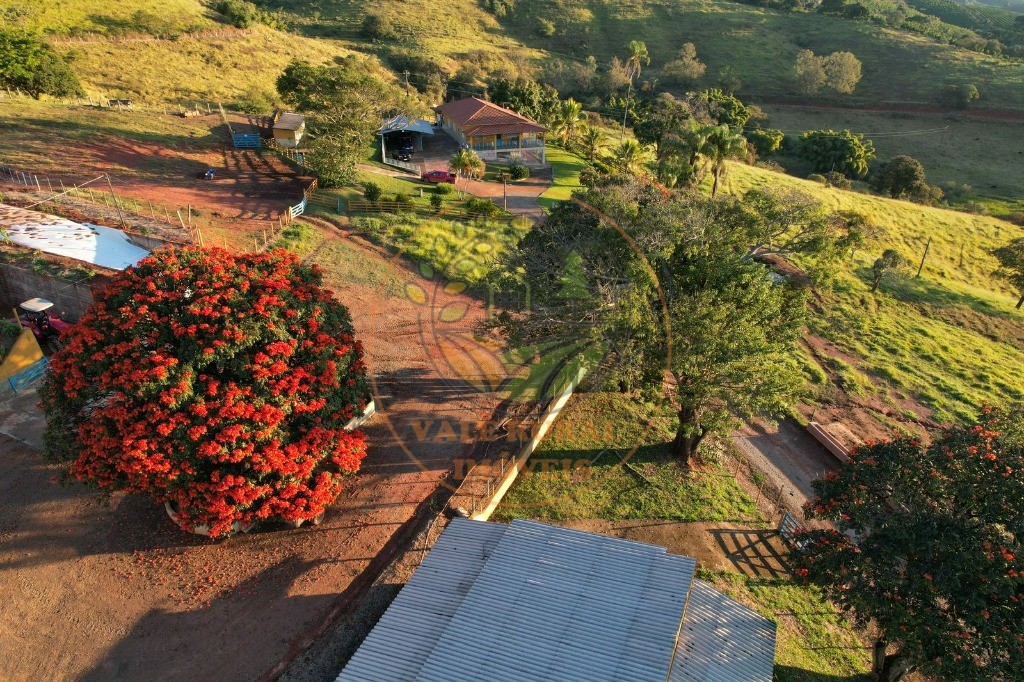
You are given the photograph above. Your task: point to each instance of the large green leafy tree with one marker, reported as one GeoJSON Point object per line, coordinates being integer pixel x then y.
{"type": "Point", "coordinates": [927, 545]}
{"type": "Point", "coordinates": [345, 103]}
{"type": "Point", "coordinates": [525, 96]}
{"type": "Point", "coordinates": [901, 176]}
{"type": "Point", "coordinates": [828, 150]}
{"type": "Point", "coordinates": [28, 64]}
{"type": "Point", "coordinates": [727, 109]}
{"type": "Point", "coordinates": [662, 290]}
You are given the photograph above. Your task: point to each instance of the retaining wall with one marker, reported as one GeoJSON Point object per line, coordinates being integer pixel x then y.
{"type": "Point", "coordinates": [70, 299]}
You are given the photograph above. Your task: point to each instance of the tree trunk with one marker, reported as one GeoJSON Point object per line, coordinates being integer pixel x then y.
{"type": "Point", "coordinates": [889, 667]}
{"type": "Point", "coordinates": [714, 185]}
{"type": "Point", "coordinates": [874, 286]}
{"type": "Point", "coordinates": [686, 444]}
{"type": "Point", "coordinates": [1020, 301]}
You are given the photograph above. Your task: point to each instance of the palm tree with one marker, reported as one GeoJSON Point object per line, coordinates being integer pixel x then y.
{"type": "Point", "coordinates": [721, 143]}
{"type": "Point", "coordinates": [630, 156]}
{"type": "Point", "coordinates": [569, 118]}
{"type": "Point", "coordinates": [466, 162]}
{"type": "Point", "coordinates": [638, 56]}
{"type": "Point", "coordinates": [591, 142]}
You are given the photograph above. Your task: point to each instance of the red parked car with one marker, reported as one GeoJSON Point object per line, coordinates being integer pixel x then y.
{"type": "Point", "coordinates": [439, 176]}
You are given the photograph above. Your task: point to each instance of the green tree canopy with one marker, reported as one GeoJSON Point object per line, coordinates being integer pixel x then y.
{"type": "Point", "coordinates": [686, 68]}
{"type": "Point", "coordinates": [345, 103]}
{"type": "Point", "coordinates": [901, 176]}
{"type": "Point", "coordinates": [27, 63]}
{"type": "Point", "coordinates": [926, 544]}
{"type": "Point", "coordinates": [727, 109]}
{"type": "Point", "coordinates": [525, 96]}
{"type": "Point", "coordinates": [661, 289]}
{"type": "Point", "coordinates": [828, 150]}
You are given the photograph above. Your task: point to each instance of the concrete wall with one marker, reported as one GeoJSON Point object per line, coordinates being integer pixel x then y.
{"type": "Point", "coordinates": [25, 353]}
{"type": "Point", "coordinates": [149, 242]}
{"type": "Point", "coordinates": [70, 300]}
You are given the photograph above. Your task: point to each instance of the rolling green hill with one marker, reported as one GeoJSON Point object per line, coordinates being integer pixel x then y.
{"type": "Point", "coordinates": [759, 44]}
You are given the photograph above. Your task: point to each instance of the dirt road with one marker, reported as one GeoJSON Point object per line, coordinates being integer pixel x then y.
{"type": "Point", "coordinates": [788, 455]}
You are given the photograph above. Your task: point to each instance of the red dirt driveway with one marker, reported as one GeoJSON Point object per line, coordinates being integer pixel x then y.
{"type": "Point", "coordinates": [117, 593]}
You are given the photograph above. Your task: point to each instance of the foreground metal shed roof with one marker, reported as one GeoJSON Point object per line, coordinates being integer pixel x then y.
{"type": "Point", "coordinates": [531, 601]}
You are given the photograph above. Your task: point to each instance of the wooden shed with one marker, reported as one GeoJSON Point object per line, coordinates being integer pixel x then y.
{"type": "Point", "coordinates": [289, 129]}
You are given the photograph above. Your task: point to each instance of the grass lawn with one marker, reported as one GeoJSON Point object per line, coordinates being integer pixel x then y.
{"type": "Point", "coordinates": [597, 430]}
{"type": "Point", "coordinates": [341, 262]}
{"type": "Point", "coordinates": [458, 250]}
{"type": "Point", "coordinates": [565, 168]}
{"type": "Point", "coordinates": [813, 642]}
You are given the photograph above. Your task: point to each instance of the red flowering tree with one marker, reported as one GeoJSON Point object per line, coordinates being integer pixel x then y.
{"type": "Point", "coordinates": [927, 545]}
{"type": "Point", "coordinates": [219, 383]}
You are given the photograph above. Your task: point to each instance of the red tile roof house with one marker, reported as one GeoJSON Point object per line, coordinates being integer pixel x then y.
{"type": "Point", "coordinates": [493, 132]}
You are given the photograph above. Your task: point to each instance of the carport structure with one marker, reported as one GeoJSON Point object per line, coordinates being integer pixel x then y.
{"type": "Point", "coordinates": [417, 128]}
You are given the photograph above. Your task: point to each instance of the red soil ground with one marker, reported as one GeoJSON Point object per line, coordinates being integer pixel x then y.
{"type": "Point", "coordinates": [117, 592]}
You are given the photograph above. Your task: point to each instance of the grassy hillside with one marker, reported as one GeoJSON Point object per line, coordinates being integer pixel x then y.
{"type": "Point", "coordinates": [111, 17]}
{"type": "Point", "coordinates": [762, 45]}
{"type": "Point", "coordinates": [949, 340]}
{"type": "Point", "coordinates": [211, 69]}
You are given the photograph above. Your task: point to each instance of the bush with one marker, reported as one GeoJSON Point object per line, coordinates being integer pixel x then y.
{"type": "Point", "coordinates": [444, 189]}
{"type": "Point", "coordinates": [766, 141]}
{"type": "Point", "coordinates": [372, 191]}
{"type": "Point", "coordinates": [837, 180]}
{"type": "Point", "coordinates": [380, 29]}
{"type": "Point", "coordinates": [402, 198]}
{"type": "Point", "coordinates": [437, 201]}
{"type": "Point", "coordinates": [817, 177]}
{"type": "Point", "coordinates": [219, 403]}
{"type": "Point", "coordinates": [27, 63]}
{"type": "Point", "coordinates": [518, 170]}
{"type": "Point", "coordinates": [240, 13]}
{"type": "Point", "coordinates": [482, 207]}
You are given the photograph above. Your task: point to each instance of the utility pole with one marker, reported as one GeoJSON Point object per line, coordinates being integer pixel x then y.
{"type": "Point", "coordinates": [114, 197]}
{"type": "Point", "coordinates": [923, 256]}
{"type": "Point", "coordinates": [406, 74]}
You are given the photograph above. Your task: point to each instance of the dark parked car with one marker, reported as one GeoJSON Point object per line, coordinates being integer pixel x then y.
{"type": "Point", "coordinates": [401, 155]}
{"type": "Point", "coordinates": [439, 176]}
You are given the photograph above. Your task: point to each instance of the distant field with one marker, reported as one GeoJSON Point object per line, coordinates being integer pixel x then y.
{"type": "Point", "coordinates": [985, 154]}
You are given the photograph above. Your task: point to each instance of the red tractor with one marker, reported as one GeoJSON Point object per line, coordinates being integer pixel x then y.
{"type": "Point", "coordinates": [47, 328]}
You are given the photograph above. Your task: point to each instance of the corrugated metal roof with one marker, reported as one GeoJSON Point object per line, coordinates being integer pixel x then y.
{"type": "Point", "coordinates": [400, 124]}
{"type": "Point", "coordinates": [408, 631]}
{"type": "Point", "coordinates": [722, 640]}
{"type": "Point", "coordinates": [289, 122]}
{"type": "Point", "coordinates": [533, 601]}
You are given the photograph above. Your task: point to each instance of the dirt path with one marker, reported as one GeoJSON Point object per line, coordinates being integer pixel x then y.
{"type": "Point", "coordinates": [101, 593]}
{"type": "Point", "coordinates": [788, 455]}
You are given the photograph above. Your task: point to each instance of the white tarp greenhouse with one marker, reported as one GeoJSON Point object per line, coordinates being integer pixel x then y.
{"type": "Point", "coordinates": [102, 246]}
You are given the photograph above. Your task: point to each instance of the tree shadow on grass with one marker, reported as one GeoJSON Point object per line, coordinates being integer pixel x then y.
{"type": "Point", "coordinates": [789, 673]}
